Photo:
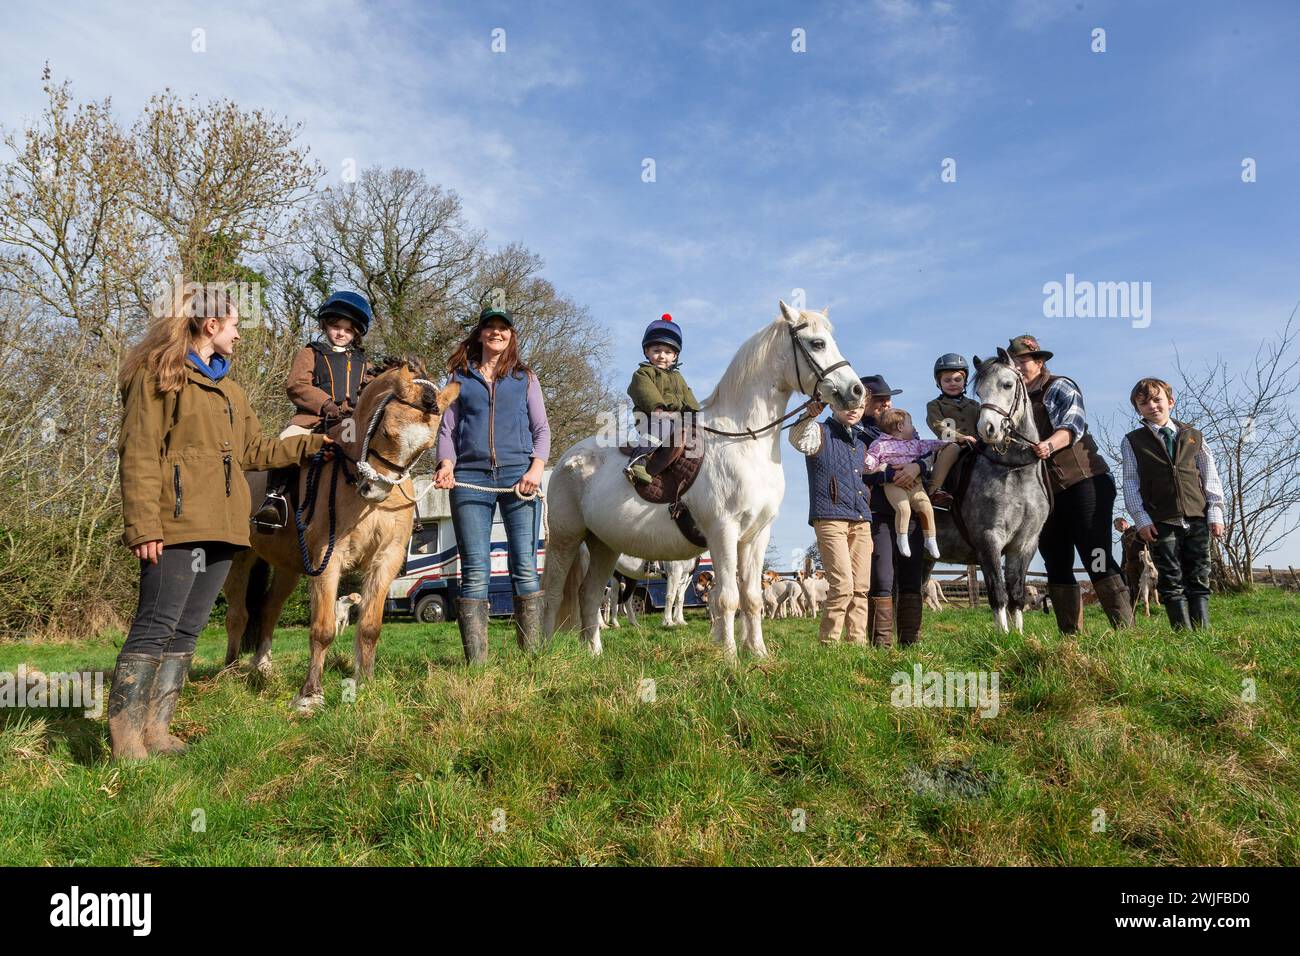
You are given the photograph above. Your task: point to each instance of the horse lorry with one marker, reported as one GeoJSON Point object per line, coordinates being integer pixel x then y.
{"type": "Point", "coordinates": [429, 582]}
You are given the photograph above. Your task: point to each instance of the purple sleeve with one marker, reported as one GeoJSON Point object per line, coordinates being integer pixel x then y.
{"type": "Point", "coordinates": [537, 419]}
{"type": "Point", "coordinates": [933, 444]}
{"type": "Point", "coordinates": [447, 433]}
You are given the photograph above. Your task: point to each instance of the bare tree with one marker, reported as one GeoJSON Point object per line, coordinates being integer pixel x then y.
{"type": "Point", "coordinates": [402, 242]}
{"type": "Point", "coordinates": [219, 182]}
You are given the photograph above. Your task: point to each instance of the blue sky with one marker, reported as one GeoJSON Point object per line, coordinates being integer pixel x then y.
{"type": "Point", "coordinates": [778, 170]}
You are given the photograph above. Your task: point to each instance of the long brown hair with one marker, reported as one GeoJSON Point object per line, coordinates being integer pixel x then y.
{"type": "Point", "coordinates": [171, 336]}
{"type": "Point", "coordinates": [471, 350]}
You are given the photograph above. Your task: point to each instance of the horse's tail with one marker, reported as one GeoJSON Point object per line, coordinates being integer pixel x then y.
{"type": "Point", "coordinates": [259, 579]}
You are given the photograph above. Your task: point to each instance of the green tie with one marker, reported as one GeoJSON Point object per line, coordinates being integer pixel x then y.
{"type": "Point", "coordinates": [1168, 435]}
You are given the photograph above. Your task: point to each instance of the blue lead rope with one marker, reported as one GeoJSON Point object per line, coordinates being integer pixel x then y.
{"type": "Point", "coordinates": [308, 505]}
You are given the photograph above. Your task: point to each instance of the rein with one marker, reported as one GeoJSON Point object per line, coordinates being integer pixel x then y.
{"type": "Point", "coordinates": [796, 346]}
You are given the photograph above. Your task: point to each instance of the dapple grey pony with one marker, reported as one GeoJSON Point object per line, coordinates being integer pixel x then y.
{"type": "Point", "coordinates": [1006, 499]}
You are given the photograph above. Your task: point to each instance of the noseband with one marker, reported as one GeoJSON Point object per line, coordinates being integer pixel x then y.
{"type": "Point", "coordinates": [364, 468]}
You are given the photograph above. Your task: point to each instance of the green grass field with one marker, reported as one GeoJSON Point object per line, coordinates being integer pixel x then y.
{"type": "Point", "coordinates": [561, 761]}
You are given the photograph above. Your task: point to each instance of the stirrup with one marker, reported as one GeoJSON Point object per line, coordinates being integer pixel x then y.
{"type": "Point", "coordinates": [631, 463]}
{"type": "Point", "coordinates": [279, 516]}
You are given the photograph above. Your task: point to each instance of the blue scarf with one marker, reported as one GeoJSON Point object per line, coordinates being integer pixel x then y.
{"type": "Point", "coordinates": [216, 371]}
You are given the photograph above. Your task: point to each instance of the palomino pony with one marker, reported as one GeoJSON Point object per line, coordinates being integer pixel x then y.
{"type": "Point", "coordinates": [356, 523]}
{"type": "Point", "coordinates": [734, 498]}
{"type": "Point", "coordinates": [1006, 498]}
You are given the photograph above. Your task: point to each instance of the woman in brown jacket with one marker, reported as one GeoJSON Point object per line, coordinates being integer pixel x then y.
{"type": "Point", "coordinates": [188, 434]}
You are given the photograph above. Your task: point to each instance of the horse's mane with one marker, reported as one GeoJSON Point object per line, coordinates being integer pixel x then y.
{"type": "Point", "coordinates": [754, 355]}
{"type": "Point", "coordinates": [389, 362]}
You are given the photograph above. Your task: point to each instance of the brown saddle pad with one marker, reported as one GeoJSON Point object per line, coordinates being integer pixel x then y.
{"type": "Point", "coordinates": [673, 469]}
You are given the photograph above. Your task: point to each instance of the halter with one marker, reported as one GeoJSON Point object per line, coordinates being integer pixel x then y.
{"type": "Point", "coordinates": [796, 346]}
{"type": "Point", "coordinates": [364, 467]}
{"type": "Point", "coordinates": [1022, 395]}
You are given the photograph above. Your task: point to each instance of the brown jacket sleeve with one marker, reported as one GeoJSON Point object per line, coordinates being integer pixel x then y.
{"type": "Point", "coordinates": [140, 455]}
{"type": "Point", "coordinates": [261, 453]}
{"type": "Point", "coordinates": [304, 395]}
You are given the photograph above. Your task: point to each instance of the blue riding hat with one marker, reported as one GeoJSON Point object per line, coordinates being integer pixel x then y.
{"type": "Point", "coordinates": [664, 331]}
{"type": "Point", "coordinates": [352, 306]}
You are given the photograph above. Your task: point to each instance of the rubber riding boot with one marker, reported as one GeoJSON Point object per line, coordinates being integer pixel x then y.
{"type": "Point", "coordinates": [1112, 595]}
{"type": "Point", "coordinates": [880, 621]}
{"type": "Point", "coordinates": [1198, 610]}
{"type": "Point", "coordinates": [908, 613]}
{"type": "Point", "coordinates": [528, 621]}
{"type": "Point", "coordinates": [472, 618]}
{"type": "Point", "coordinates": [167, 685]}
{"type": "Point", "coordinates": [1067, 602]}
{"type": "Point", "coordinates": [1176, 608]}
{"type": "Point", "coordinates": [128, 705]}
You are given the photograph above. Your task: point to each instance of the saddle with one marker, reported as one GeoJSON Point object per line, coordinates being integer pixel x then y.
{"type": "Point", "coordinates": [673, 468]}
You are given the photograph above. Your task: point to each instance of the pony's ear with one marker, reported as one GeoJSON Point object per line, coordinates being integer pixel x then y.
{"type": "Point", "coordinates": [1003, 356]}
{"type": "Point", "coordinates": [787, 313]}
{"type": "Point", "coordinates": [448, 394]}
{"type": "Point", "coordinates": [976, 361]}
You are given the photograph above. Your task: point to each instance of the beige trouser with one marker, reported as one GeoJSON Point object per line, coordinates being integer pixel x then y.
{"type": "Point", "coordinates": [291, 430]}
{"type": "Point", "coordinates": [943, 463]}
{"type": "Point", "coordinates": [904, 503]}
{"type": "Point", "coordinates": [846, 558]}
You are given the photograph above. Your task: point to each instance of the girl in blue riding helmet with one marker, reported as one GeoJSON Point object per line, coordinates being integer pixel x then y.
{"type": "Point", "coordinates": [323, 383]}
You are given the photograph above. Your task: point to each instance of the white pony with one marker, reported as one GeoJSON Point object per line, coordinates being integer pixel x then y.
{"type": "Point", "coordinates": [734, 498]}
{"type": "Point", "coordinates": [677, 575]}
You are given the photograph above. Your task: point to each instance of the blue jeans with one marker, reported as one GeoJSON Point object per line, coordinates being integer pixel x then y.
{"type": "Point", "coordinates": [471, 518]}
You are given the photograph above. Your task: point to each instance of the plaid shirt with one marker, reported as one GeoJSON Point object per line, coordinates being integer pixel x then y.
{"type": "Point", "coordinates": [1210, 482]}
{"type": "Point", "coordinates": [1064, 405]}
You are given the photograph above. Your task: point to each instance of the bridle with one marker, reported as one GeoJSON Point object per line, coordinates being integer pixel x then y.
{"type": "Point", "coordinates": [364, 468]}
{"type": "Point", "coordinates": [1022, 396]}
{"type": "Point", "coordinates": [797, 346]}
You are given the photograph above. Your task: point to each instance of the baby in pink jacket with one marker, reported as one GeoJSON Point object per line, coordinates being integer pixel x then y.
{"type": "Point", "coordinates": [901, 446]}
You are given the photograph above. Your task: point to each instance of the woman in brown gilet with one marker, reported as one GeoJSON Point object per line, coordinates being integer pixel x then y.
{"type": "Point", "coordinates": [1083, 494]}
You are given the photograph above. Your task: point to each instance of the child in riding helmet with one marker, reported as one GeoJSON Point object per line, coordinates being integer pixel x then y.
{"type": "Point", "coordinates": [899, 446]}
{"type": "Point", "coordinates": [952, 417]}
{"type": "Point", "coordinates": [323, 381]}
{"type": "Point", "coordinates": [322, 384]}
{"type": "Point", "coordinates": [658, 390]}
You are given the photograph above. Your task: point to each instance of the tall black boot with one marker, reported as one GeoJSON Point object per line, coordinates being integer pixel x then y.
{"type": "Point", "coordinates": [1176, 608]}
{"type": "Point", "coordinates": [1198, 610]}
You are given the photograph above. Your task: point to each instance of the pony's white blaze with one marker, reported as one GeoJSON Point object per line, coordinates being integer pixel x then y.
{"type": "Point", "coordinates": [734, 499]}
